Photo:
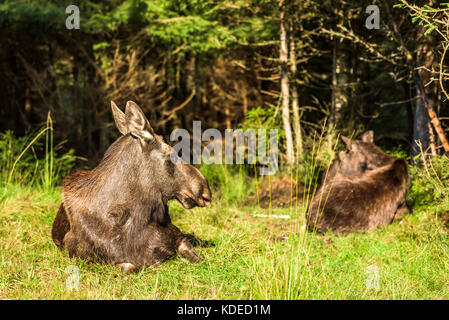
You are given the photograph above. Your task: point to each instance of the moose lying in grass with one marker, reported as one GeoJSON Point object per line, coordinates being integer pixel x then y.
{"type": "Point", "coordinates": [117, 213]}
{"type": "Point", "coordinates": [364, 188]}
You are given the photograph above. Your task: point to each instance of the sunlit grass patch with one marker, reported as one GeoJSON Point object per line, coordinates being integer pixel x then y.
{"type": "Point", "coordinates": [243, 260]}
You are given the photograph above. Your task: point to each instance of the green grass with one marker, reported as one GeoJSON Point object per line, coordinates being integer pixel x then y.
{"type": "Point", "coordinates": [241, 262]}
{"type": "Point", "coordinates": [243, 257]}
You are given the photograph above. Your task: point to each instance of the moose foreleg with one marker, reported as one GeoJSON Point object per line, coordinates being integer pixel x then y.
{"type": "Point", "coordinates": [88, 240]}
{"type": "Point", "coordinates": [183, 246]}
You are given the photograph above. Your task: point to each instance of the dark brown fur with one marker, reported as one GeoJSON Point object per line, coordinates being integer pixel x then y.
{"type": "Point", "coordinates": [117, 213]}
{"type": "Point", "coordinates": [362, 155]}
{"type": "Point", "coordinates": [365, 188]}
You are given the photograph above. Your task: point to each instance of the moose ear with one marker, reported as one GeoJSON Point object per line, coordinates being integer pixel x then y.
{"type": "Point", "coordinates": [136, 122]}
{"type": "Point", "coordinates": [346, 140]}
{"type": "Point", "coordinates": [119, 118]}
{"type": "Point", "coordinates": [368, 136]}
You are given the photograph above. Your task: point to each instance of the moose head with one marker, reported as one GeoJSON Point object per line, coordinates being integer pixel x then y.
{"type": "Point", "coordinates": [155, 164]}
{"type": "Point", "coordinates": [362, 155]}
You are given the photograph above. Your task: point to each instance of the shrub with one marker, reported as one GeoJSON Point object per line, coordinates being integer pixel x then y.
{"type": "Point", "coordinates": [429, 183]}
{"type": "Point", "coordinates": [29, 161]}
{"type": "Point", "coordinates": [230, 182]}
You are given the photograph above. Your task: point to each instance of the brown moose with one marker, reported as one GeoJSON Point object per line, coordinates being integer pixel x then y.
{"type": "Point", "coordinates": [117, 212]}
{"type": "Point", "coordinates": [364, 188]}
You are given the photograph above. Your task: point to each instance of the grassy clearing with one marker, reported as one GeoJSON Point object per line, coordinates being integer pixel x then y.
{"type": "Point", "coordinates": [241, 259]}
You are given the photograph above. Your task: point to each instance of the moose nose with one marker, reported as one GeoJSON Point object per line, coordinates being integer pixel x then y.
{"type": "Point", "coordinates": [206, 202]}
{"type": "Point", "coordinates": [206, 197]}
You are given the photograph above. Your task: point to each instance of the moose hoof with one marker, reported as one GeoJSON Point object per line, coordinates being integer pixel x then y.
{"type": "Point", "coordinates": [187, 252]}
{"type": "Point", "coordinates": [192, 258]}
{"type": "Point", "coordinates": [195, 258]}
{"type": "Point", "coordinates": [127, 267]}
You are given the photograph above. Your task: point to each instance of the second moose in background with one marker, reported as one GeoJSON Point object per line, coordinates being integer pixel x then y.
{"type": "Point", "coordinates": [364, 188]}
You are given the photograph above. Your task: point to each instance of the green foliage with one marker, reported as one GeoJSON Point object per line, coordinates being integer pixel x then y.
{"type": "Point", "coordinates": [399, 152]}
{"type": "Point", "coordinates": [39, 17]}
{"type": "Point", "coordinates": [429, 185]}
{"type": "Point", "coordinates": [191, 26]}
{"type": "Point", "coordinates": [229, 183]}
{"type": "Point", "coordinates": [25, 162]}
{"type": "Point", "coordinates": [263, 118]}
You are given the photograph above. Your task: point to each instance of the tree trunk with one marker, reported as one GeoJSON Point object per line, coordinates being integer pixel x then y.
{"type": "Point", "coordinates": [191, 75]}
{"type": "Point", "coordinates": [425, 58]}
{"type": "Point", "coordinates": [295, 103]}
{"type": "Point", "coordinates": [433, 148]}
{"type": "Point", "coordinates": [285, 87]}
{"type": "Point", "coordinates": [245, 104]}
{"type": "Point", "coordinates": [190, 85]}
{"type": "Point", "coordinates": [227, 116]}
{"type": "Point", "coordinates": [28, 109]}
{"type": "Point", "coordinates": [420, 130]}
{"type": "Point", "coordinates": [409, 107]}
{"type": "Point", "coordinates": [339, 82]}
